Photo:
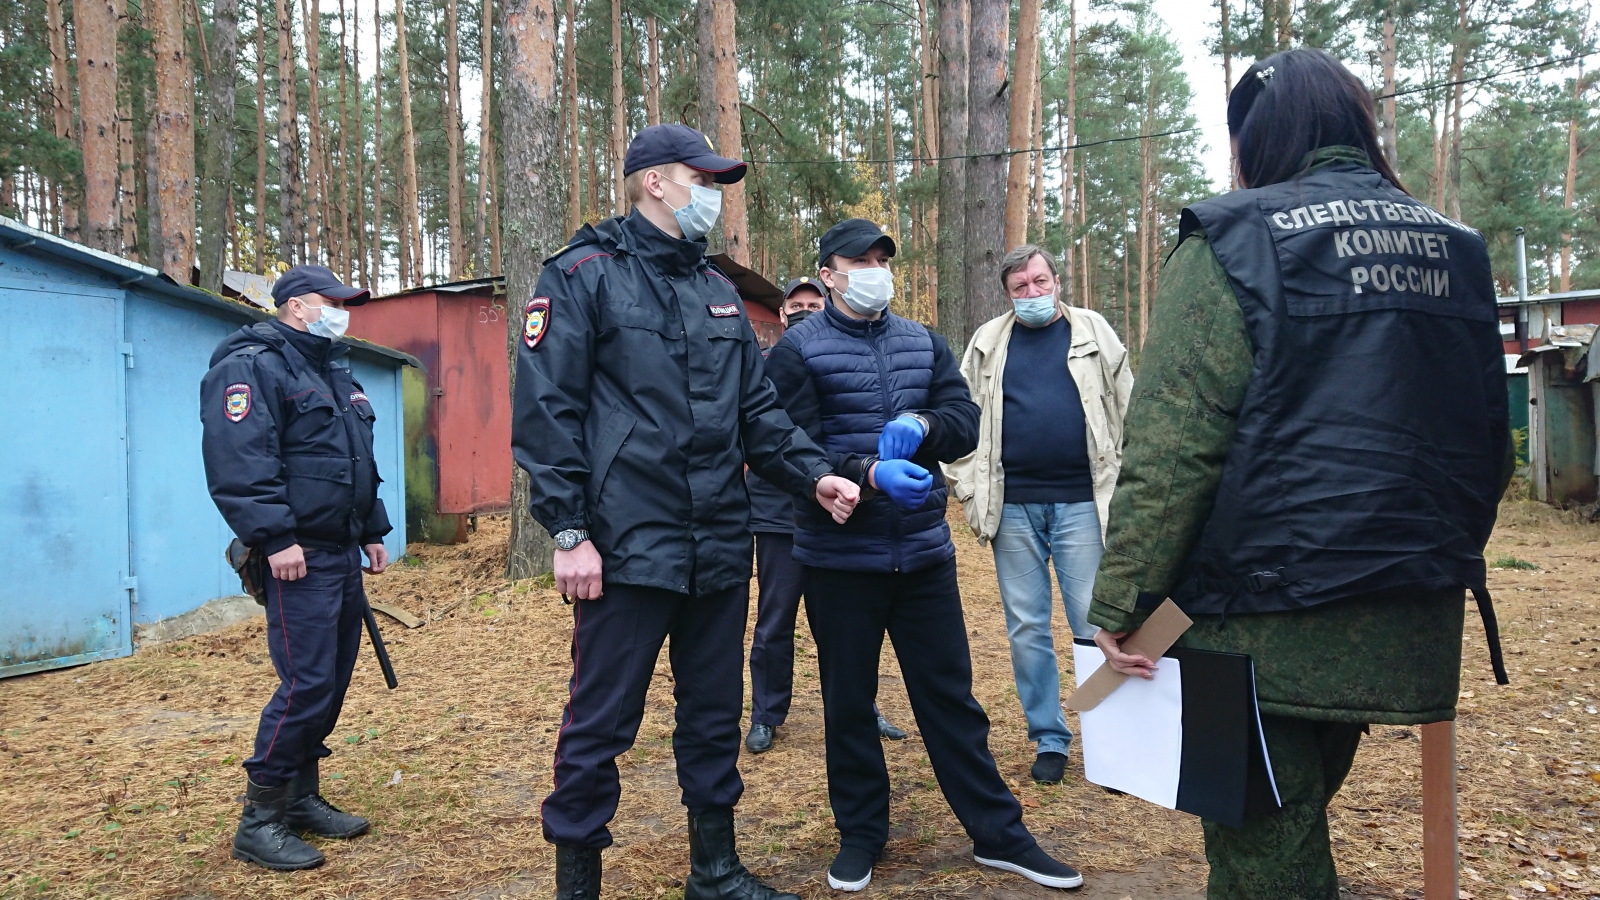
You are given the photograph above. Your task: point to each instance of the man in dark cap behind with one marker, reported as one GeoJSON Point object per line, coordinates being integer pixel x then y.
{"type": "Point", "coordinates": [883, 396]}
{"type": "Point", "coordinates": [288, 455]}
{"type": "Point", "coordinates": [639, 399]}
{"type": "Point", "coordinates": [778, 575]}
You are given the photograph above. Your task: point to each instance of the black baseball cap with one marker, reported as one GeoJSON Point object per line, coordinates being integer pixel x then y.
{"type": "Point", "coordinates": [851, 238]}
{"type": "Point", "coordinates": [309, 279]}
{"type": "Point", "coordinates": [804, 281]}
{"type": "Point", "coordinates": [670, 143]}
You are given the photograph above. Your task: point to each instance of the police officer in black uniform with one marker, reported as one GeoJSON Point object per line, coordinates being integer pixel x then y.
{"type": "Point", "coordinates": [288, 457]}
{"type": "Point", "coordinates": [639, 397]}
{"type": "Point", "coordinates": [778, 575]}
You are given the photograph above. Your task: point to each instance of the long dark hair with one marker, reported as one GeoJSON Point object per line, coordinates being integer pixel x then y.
{"type": "Point", "coordinates": [1295, 102]}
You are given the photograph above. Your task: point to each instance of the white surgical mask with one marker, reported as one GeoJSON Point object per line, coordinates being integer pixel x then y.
{"type": "Point", "coordinates": [697, 217]}
{"type": "Point", "coordinates": [1035, 312]}
{"type": "Point", "coordinates": [331, 324]}
{"type": "Point", "coordinates": [868, 291]}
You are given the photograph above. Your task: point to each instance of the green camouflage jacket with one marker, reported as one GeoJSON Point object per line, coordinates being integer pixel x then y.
{"type": "Point", "coordinates": [1377, 658]}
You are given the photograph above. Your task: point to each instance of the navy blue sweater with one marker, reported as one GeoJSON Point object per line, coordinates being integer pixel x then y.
{"type": "Point", "coordinates": [1044, 451]}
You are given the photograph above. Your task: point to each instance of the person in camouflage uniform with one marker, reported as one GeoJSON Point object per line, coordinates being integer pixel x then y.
{"type": "Point", "coordinates": [1323, 672]}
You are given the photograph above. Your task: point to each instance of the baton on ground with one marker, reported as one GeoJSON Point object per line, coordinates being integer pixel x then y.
{"type": "Point", "coordinates": [377, 646]}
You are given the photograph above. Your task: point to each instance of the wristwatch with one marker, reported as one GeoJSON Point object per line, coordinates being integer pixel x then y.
{"type": "Point", "coordinates": [570, 538]}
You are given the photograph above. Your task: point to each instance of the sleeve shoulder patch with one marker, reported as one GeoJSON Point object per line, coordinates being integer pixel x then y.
{"type": "Point", "coordinates": [236, 401]}
{"type": "Point", "coordinates": [536, 322]}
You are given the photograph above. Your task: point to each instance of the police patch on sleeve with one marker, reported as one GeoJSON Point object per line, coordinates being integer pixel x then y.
{"type": "Point", "coordinates": [537, 321]}
{"type": "Point", "coordinates": [236, 402]}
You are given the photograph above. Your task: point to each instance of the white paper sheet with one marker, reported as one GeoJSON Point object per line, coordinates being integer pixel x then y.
{"type": "Point", "coordinates": [1133, 741]}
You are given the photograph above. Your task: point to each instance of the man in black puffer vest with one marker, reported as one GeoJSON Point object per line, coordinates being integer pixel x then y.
{"type": "Point", "coordinates": [885, 399]}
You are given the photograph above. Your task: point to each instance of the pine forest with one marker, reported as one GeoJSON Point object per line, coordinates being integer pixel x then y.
{"type": "Point", "coordinates": [406, 142]}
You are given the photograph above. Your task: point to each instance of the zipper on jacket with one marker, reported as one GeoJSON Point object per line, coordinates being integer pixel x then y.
{"type": "Point", "coordinates": [888, 411]}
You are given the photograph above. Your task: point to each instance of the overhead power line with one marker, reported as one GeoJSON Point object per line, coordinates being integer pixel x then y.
{"type": "Point", "coordinates": [1139, 137]}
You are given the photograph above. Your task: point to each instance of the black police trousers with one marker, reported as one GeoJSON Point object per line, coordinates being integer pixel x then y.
{"type": "Point", "coordinates": [313, 635]}
{"type": "Point", "coordinates": [615, 642]}
{"type": "Point", "coordinates": [772, 648]}
{"type": "Point", "coordinates": [921, 611]}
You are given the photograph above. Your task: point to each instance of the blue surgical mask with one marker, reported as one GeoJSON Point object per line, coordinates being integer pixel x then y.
{"type": "Point", "coordinates": [331, 324]}
{"type": "Point", "coordinates": [1035, 312]}
{"type": "Point", "coordinates": [701, 212]}
{"type": "Point", "coordinates": [868, 291]}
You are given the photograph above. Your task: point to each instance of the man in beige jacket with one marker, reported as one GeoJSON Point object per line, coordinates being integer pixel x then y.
{"type": "Point", "coordinates": [1037, 488]}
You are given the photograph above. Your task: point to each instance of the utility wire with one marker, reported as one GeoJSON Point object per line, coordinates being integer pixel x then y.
{"type": "Point", "coordinates": [1002, 153]}
{"type": "Point", "coordinates": [1139, 137]}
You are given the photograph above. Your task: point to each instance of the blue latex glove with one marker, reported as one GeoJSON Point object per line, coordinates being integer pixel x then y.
{"type": "Point", "coordinates": [906, 483]}
{"type": "Point", "coordinates": [900, 438]}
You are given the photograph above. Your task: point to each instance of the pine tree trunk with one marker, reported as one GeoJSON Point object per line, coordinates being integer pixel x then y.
{"type": "Point", "coordinates": [291, 227]}
{"type": "Point", "coordinates": [409, 209]}
{"type": "Point", "coordinates": [952, 138]}
{"type": "Point", "coordinates": [1458, 65]}
{"type": "Point", "coordinates": [888, 140]}
{"type": "Point", "coordinates": [730, 133]}
{"type": "Point", "coordinates": [1069, 172]}
{"type": "Point", "coordinates": [452, 132]}
{"type": "Point", "coordinates": [61, 104]}
{"type": "Point", "coordinates": [127, 159]}
{"type": "Point", "coordinates": [1225, 45]}
{"type": "Point", "coordinates": [485, 137]}
{"type": "Point", "coordinates": [706, 73]}
{"type": "Point", "coordinates": [532, 151]}
{"type": "Point", "coordinates": [311, 21]}
{"type": "Point", "coordinates": [174, 127]}
{"type": "Point", "coordinates": [652, 84]}
{"type": "Point", "coordinates": [986, 171]}
{"type": "Point", "coordinates": [221, 83]}
{"type": "Point", "coordinates": [1036, 220]}
{"type": "Point", "coordinates": [377, 144]}
{"type": "Point", "coordinates": [360, 264]}
{"type": "Point", "coordinates": [95, 26]}
{"type": "Point", "coordinates": [1387, 127]}
{"type": "Point", "coordinates": [260, 225]}
{"type": "Point", "coordinates": [344, 146]}
{"type": "Point", "coordinates": [569, 78]}
{"type": "Point", "coordinates": [1020, 133]}
{"type": "Point", "coordinates": [930, 149]}
{"type": "Point", "coordinates": [619, 114]}
{"type": "Point", "coordinates": [1571, 183]}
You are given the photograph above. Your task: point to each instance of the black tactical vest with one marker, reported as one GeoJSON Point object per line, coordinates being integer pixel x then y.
{"type": "Point", "coordinates": [1371, 443]}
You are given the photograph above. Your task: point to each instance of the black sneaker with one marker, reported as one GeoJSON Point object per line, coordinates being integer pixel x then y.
{"type": "Point", "coordinates": [851, 869]}
{"type": "Point", "coordinates": [1035, 865]}
{"type": "Point", "coordinates": [1049, 768]}
{"type": "Point", "coordinates": [760, 739]}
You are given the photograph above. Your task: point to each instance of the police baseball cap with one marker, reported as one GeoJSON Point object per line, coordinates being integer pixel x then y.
{"type": "Point", "coordinates": [670, 143]}
{"type": "Point", "coordinates": [851, 238]}
{"type": "Point", "coordinates": [804, 281]}
{"type": "Point", "coordinates": [302, 280]}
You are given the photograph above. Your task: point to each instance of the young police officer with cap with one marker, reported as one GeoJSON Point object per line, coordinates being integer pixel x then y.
{"type": "Point", "coordinates": [639, 398]}
{"type": "Point", "coordinates": [884, 397]}
{"type": "Point", "coordinates": [288, 456]}
{"type": "Point", "coordinates": [778, 575]}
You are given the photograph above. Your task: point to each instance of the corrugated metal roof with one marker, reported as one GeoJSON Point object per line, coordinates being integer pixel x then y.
{"type": "Point", "coordinates": [1549, 298]}
{"type": "Point", "coordinates": [449, 287]}
{"type": "Point", "coordinates": [130, 274]}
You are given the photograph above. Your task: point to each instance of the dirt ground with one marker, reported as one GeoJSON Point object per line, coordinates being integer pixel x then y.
{"type": "Point", "coordinates": [122, 779]}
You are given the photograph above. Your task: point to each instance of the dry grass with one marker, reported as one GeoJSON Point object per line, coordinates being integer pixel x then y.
{"type": "Point", "coordinates": [121, 779]}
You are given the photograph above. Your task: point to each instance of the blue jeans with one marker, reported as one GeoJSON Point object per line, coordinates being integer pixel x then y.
{"type": "Point", "coordinates": [1030, 538]}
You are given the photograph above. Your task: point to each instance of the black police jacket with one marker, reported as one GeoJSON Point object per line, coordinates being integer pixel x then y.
{"type": "Point", "coordinates": [639, 397]}
{"type": "Point", "coordinates": [1370, 448]}
{"type": "Point", "coordinates": [288, 441]}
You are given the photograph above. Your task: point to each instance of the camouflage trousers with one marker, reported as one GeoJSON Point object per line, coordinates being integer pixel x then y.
{"type": "Point", "coordinates": [1285, 854]}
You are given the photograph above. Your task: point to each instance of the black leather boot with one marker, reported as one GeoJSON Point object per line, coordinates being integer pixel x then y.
{"type": "Point", "coordinates": [715, 872]}
{"type": "Point", "coordinates": [577, 873]}
{"type": "Point", "coordinates": [307, 811]}
{"type": "Point", "coordinates": [264, 838]}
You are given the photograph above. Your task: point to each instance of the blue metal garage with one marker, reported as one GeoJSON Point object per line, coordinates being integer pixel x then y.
{"type": "Point", "coordinates": [104, 517]}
